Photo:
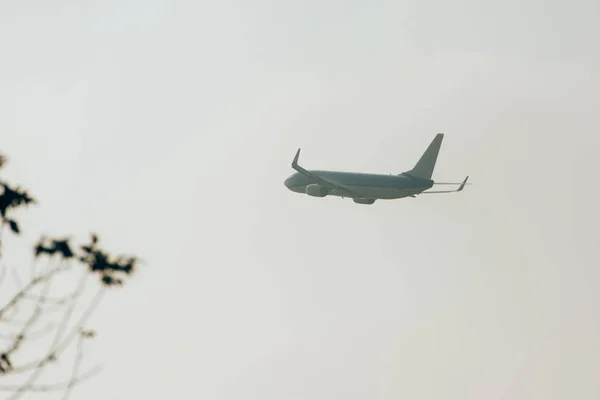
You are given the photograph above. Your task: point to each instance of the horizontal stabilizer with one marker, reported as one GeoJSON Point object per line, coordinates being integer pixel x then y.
{"type": "Point", "coordinates": [460, 188]}
{"type": "Point", "coordinates": [450, 183]}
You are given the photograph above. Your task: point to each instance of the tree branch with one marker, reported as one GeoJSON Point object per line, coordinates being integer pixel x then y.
{"type": "Point", "coordinates": [35, 281]}
{"type": "Point", "coordinates": [35, 305]}
{"type": "Point", "coordinates": [57, 347]}
{"type": "Point", "coordinates": [57, 386]}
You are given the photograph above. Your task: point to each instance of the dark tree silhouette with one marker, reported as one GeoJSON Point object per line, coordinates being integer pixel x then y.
{"type": "Point", "coordinates": [36, 327]}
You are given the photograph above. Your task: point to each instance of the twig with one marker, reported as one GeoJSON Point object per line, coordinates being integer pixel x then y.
{"type": "Point", "coordinates": [32, 319]}
{"type": "Point", "coordinates": [30, 286]}
{"type": "Point", "coordinates": [51, 355]}
{"type": "Point", "coordinates": [57, 386]}
{"type": "Point", "coordinates": [56, 351]}
{"type": "Point", "coordinates": [76, 365]}
{"type": "Point", "coordinates": [3, 276]}
{"type": "Point", "coordinates": [31, 336]}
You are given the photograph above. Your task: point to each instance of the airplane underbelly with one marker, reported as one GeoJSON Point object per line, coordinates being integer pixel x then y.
{"type": "Point", "coordinates": [377, 192]}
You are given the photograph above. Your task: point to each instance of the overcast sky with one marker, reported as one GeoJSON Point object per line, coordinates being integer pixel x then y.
{"type": "Point", "coordinates": [169, 126]}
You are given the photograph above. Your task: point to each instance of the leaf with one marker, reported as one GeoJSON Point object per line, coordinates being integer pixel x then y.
{"type": "Point", "coordinates": [89, 334]}
{"type": "Point", "coordinates": [110, 281]}
{"type": "Point", "coordinates": [14, 226]}
{"type": "Point", "coordinates": [13, 198]}
{"type": "Point", "coordinates": [63, 247]}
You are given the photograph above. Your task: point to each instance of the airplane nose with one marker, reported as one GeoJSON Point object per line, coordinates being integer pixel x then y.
{"type": "Point", "coordinates": [287, 182]}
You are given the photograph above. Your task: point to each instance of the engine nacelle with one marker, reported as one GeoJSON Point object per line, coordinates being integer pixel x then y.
{"type": "Point", "coordinates": [364, 201]}
{"type": "Point", "coordinates": [316, 190]}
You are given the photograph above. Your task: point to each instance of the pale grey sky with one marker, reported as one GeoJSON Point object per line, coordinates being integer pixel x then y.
{"type": "Point", "coordinates": [253, 292]}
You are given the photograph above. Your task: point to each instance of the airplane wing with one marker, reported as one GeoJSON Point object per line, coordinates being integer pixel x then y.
{"type": "Point", "coordinates": [460, 188]}
{"type": "Point", "coordinates": [321, 181]}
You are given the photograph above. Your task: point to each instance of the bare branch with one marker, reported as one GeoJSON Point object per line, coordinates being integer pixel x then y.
{"type": "Point", "coordinates": [29, 306]}
{"type": "Point", "coordinates": [2, 274]}
{"type": "Point", "coordinates": [76, 366]}
{"type": "Point", "coordinates": [79, 326]}
{"type": "Point", "coordinates": [32, 320]}
{"type": "Point", "coordinates": [16, 278]}
{"type": "Point", "coordinates": [51, 354]}
{"type": "Point", "coordinates": [57, 301]}
{"type": "Point", "coordinates": [56, 350]}
{"type": "Point", "coordinates": [32, 335]}
{"type": "Point", "coordinates": [34, 282]}
{"type": "Point", "coordinates": [57, 386]}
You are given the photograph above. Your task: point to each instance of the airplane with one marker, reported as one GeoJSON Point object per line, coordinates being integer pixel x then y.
{"type": "Point", "coordinates": [366, 188]}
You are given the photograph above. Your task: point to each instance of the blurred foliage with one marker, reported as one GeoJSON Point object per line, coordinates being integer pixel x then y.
{"type": "Point", "coordinates": [67, 257]}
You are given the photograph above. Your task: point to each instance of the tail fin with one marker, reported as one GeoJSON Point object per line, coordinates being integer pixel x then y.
{"type": "Point", "coordinates": [424, 167]}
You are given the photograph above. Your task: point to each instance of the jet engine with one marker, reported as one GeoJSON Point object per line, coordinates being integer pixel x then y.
{"type": "Point", "coordinates": [364, 201]}
{"type": "Point", "coordinates": [316, 190]}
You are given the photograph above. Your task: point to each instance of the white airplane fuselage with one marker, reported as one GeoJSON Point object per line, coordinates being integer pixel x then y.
{"type": "Point", "coordinates": [368, 186]}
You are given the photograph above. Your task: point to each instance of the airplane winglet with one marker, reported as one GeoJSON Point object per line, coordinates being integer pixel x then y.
{"type": "Point", "coordinates": [462, 185]}
{"type": "Point", "coordinates": [323, 182]}
{"type": "Point", "coordinates": [295, 162]}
